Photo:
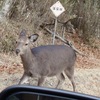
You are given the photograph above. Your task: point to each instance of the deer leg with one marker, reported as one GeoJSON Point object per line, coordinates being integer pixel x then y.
{"type": "Point", "coordinates": [61, 79]}
{"type": "Point", "coordinates": [24, 79]}
{"type": "Point", "coordinates": [41, 80]}
{"type": "Point", "coordinates": [70, 75]}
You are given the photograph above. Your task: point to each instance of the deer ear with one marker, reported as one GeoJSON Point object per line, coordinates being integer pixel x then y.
{"type": "Point", "coordinates": [33, 37]}
{"type": "Point", "coordinates": [23, 33]}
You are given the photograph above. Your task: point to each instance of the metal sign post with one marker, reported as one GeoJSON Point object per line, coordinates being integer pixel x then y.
{"type": "Point", "coordinates": [55, 28]}
{"type": "Point", "coordinates": [57, 9]}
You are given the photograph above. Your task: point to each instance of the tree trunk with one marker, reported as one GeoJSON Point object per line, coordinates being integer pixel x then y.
{"type": "Point", "coordinates": [7, 5]}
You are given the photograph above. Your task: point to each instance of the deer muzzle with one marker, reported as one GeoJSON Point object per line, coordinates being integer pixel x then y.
{"type": "Point", "coordinates": [17, 51]}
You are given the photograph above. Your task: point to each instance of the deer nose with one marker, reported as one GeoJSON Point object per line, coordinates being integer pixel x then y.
{"type": "Point", "coordinates": [17, 51]}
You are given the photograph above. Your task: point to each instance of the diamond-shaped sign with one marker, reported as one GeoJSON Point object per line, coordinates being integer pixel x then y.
{"type": "Point", "coordinates": [57, 8]}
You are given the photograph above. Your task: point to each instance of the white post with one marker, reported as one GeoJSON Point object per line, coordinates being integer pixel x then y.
{"type": "Point", "coordinates": [55, 28]}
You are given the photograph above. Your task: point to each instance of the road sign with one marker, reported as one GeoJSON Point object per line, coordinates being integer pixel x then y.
{"type": "Point", "coordinates": [57, 8]}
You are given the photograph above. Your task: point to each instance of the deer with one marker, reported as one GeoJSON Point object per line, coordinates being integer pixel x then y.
{"type": "Point", "coordinates": [74, 25]}
{"type": "Point", "coordinates": [45, 61]}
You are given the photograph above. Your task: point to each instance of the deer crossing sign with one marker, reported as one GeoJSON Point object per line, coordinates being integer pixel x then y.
{"type": "Point", "coordinates": [57, 8]}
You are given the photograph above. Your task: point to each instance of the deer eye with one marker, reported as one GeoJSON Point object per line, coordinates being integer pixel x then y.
{"type": "Point", "coordinates": [26, 43]}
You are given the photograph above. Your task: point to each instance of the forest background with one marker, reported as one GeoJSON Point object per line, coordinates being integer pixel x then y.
{"type": "Point", "coordinates": [81, 21]}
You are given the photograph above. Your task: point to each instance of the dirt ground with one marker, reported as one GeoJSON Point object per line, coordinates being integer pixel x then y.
{"type": "Point", "coordinates": [87, 75]}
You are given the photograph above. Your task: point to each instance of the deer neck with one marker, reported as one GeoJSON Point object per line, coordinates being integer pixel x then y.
{"type": "Point", "coordinates": [27, 58]}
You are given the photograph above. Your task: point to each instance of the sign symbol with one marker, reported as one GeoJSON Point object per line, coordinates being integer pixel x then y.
{"type": "Point", "coordinates": [53, 8]}
{"type": "Point", "coordinates": [60, 8]}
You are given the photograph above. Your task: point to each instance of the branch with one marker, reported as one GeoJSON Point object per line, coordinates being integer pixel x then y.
{"type": "Point", "coordinates": [57, 36]}
{"type": "Point", "coordinates": [65, 41]}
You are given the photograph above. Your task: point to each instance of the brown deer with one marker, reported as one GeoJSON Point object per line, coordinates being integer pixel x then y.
{"type": "Point", "coordinates": [45, 61]}
{"type": "Point", "coordinates": [74, 25]}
